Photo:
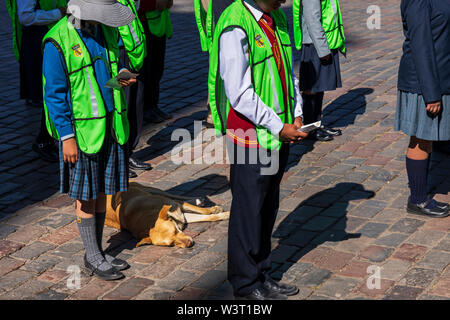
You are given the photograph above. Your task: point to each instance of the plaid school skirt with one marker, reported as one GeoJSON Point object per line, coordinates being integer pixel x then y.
{"type": "Point", "coordinates": [106, 171]}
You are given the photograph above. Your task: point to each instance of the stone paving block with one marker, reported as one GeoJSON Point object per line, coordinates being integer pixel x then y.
{"type": "Point", "coordinates": [436, 260]}
{"type": "Point", "coordinates": [202, 261]}
{"type": "Point", "coordinates": [328, 258]}
{"type": "Point", "coordinates": [68, 249]}
{"type": "Point", "coordinates": [57, 220]}
{"type": "Point", "coordinates": [394, 269]}
{"type": "Point", "coordinates": [27, 290]}
{"type": "Point", "coordinates": [389, 215]}
{"type": "Point", "coordinates": [376, 253]}
{"type": "Point", "coordinates": [128, 289]}
{"type": "Point", "coordinates": [314, 277]}
{"type": "Point", "coordinates": [355, 269]}
{"type": "Point", "coordinates": [373, 229]}
{"type": "Point", "coordinates": [444, 245]}
{"type": "Point", "coordinates": [283, 252]}
{"type": "Point", "coordinates": [42, 263]}
{"type": "Point", "coordinates": [403, 293]}
{"type": "Point", "coordinates": [428, 238]}
{"type": "Point", "coordinates": [438, 224]}
{"type": "Point", "coordinates": [365, 211]}
{"type": "Point", "coordinates": [189, 294]}
{"type": "Point", "coordinates": [391, 240]}
{"type": "Point", "coordinates": [337, 210]}
{"type": "Point", "coordinates": [50, 295]}
{"type": "Point", "coordinates": [33, 250]}
{"type": "Point", "coordinates": [419, 277]}
{"type": "Point", "coordinates": [53, 276]}
{"type": "Point", "coordinates": [304, 213]}
{"type": "Point", "coordinates": [410, 252]}
{"type": "Point", "coordinates": [8, 264]}
{"type": "Point", "coordinates": [26, 234]}
{"type": "Point", "coordinates": [6, 230]}
{"type": "Point", "coordinates": [177, 280]}
{"type": "Point", "coordinates": [28, 215]}
{"type": "Point", "coordinates": [7, 247]}
{"type": "Point", "coordinates": [441, 288]}
{"type": "Point", "coordinates": [373, 291]}
{"type": "Point", "coordinates": [150, 254]}
{"type": "Point", "coordinates": [92, 291]}
{"type": "Point", "coordinates": [319, 223]}
{"type": "Point", "coordinates": [406, 225]}
{"type": "Point", "coordinates": [299, 239]}
{"type": "Point", "coordinates": [13, 279]}
{"type": "Point", "coordinates": [210, 279]}
{"type": "Point", "coordinates": [337, 287]}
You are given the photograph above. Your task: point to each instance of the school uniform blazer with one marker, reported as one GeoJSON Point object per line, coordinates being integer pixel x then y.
{"type": "Point", "coordinates": [425, 64]}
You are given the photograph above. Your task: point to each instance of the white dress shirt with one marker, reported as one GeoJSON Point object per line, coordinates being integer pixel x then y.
{"type": "Point", "coordinates": [236, 73]}
{"type": "Point", "coordinates": [29, 16]}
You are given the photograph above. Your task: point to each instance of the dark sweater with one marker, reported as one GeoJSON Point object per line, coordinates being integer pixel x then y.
{"type": "Point", "coordinates": [425, 64]}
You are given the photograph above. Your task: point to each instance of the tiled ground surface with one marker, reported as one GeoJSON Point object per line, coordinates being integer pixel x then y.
{"type": "Point", "coordinates": [330, 228]}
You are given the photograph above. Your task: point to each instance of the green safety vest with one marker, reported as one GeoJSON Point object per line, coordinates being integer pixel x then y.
{"type": "Point", "coordinates": [45, 5]}
{"type": "Point", "coordinates": [133, 38]}
{"type": "Point", "coordinates": [205, 23]}
{"type": "Point", "coordinates": [265, 77]}
{"type": "Point", "coordinates": [159, 23]}
{"type": "Point", "coordinates": [87, 104]}
{"type": "Point", "coordinates": [331, 23]}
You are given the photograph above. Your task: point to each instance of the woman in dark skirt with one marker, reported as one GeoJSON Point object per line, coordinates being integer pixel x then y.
{"type": "Point", "coordinates": [319, 33]}
{"type": "Point", "coordinates": [423, 107]}
{"type": "Point", "coordinates": [90, 168]}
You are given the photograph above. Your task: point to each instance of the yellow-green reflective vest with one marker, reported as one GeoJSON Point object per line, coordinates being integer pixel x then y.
{"type": "Point", "coordinates": [87, 104]}
{"type": "Point", "coordinates": [45, 5]}
{"type": "Point", "coordinates": [133, 38]}
{"type": "Point", "coordinates": [265, 76]}
{"type": "Point", "coordinates": [331, 23]}
{"type": "Point", "coordinates": [205, 23]}
{"type": "Point", "coordinates": [159, 23]}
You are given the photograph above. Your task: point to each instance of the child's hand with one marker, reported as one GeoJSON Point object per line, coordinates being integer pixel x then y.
{"type": "Point", "coordinates": [70, 150]}
{"type": "Point", "coordinates": [127, 83]}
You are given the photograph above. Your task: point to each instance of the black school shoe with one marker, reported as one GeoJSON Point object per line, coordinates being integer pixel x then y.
{"type": "Point", "coordinates": [262, 293]}
{"type": "Point", "coordinates": [320, 135]}
{"type": "Point", "coordinates": [136, 164]}
{"type": "Point", "coordinates": [108, 275]}
{"type": "Point", "coordinates": [119, 264]}
{"type": "Point", "coordinates": [441, 210]}
{"type": "Point", "coordinates": [131, 174]}
{"type": "Point", "coordinates": [279, 287]}
{"type": "Point", "coordinates": [331, 132]}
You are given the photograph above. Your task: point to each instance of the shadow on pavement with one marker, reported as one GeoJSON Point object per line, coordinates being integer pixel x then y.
{"type": "Point", "coordinates": [317, 220]}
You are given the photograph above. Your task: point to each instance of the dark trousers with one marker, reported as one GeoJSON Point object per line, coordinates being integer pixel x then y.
{"type": "Point", "coordinates": [312, 107]}
{"type": "Point", "coordinates": [135, 104]}
{"type": "Point", "coordinates": [253, 212]}
{"type": "Point", "coordinates": [153, 67]}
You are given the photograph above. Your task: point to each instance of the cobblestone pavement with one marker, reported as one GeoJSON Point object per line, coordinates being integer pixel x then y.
{"type": "Point", "coordinates": [342, 202]}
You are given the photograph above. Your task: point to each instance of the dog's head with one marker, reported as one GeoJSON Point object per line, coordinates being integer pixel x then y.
{"type": "Point", "coordinates": [166, 232]}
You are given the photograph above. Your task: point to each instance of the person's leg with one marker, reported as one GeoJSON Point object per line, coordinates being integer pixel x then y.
{"type": "Point", "coordinates": [318, 116]}
{"type": "Point", "coordinates": [417, 162]}
{"type": "Point", "coordinates": [312, 111]}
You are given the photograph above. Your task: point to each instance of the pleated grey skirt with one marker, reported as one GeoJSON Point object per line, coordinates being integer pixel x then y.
{"type": "Point", "coordinates": [413, 119]}
{"type": "Point", "coordinates": [315, 75]}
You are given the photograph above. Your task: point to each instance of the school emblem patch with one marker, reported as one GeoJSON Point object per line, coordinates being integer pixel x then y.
{"type": "Point", "coordinates": [259, 41]}
{"type": "Point", "coordinates": [77, 50]}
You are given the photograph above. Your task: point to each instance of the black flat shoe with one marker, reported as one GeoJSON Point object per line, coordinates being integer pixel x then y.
{"type": "Point", "coordinates": [331, 132]}
{"type": "Point", "coordinates": [136, 164]}
{"type": "Point", "coordinates": [108, 275]}
{"type": "Point", "coordinates": [46, 151]}
{"type": "Point", "coordinates": [131, 174]}
{"type": "Point", "coordinates": [280, 288]}
{"type": "Point", "coordinates": [162, 114]}
{"type": "Point", "coordinates": [119, 264]}
{"type": "Point", "coordinates": [321, 135]}
{"type": "Point", "coordinates": [262, 293]}
{"type": "Point", "coordinates": [436, 212]}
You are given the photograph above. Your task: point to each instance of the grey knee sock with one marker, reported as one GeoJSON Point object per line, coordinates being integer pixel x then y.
{"type": "Point", "coordinates": [88, 235]}
{"type": "Point", "coordinates": [99, 224]}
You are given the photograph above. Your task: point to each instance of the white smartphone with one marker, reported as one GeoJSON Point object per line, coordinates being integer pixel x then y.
{"type": "Point", "coordinates": [310, 127]}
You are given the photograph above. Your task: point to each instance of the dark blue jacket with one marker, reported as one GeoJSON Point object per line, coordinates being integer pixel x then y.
{"type": "Point", "coordinates": [425, 64]}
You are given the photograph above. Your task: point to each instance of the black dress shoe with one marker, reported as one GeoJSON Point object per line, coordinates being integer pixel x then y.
{"type": "Point", "coordinates": [441, 205]}
{"type": "Point", "coordinates": [321, 135]}
{"type": "Point", "coordinates": [110, 274]}
{"type": "Point", "coordinates": [331, 132]}
{"type": "Point", "coordinates": [436, 212]}
{"type": "Point", "coordinates": [262, 293]}
{"type": "Point", "coordinates": [136, 164]}
{"type": "Point", "coordinates": [162, 114]}
{"type": "Point", "coordinates": [119, 264]}
{"type": "Point", "coordinates": [152, 116]}
{"type": "Point", "coordinates": [46, 151]}
{"type": "Point", "coordinates": [281, 288]}
{"type": "Point", "coordinates": [131, 174]}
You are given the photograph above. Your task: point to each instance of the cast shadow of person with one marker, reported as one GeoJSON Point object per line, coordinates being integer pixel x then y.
{"type": "Point", "coordinates": [320, 219]}
{"type": "Point", "coordinates": [340, 113]}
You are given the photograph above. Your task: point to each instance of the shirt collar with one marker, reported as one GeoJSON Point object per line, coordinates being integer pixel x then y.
{"type": "Point", "coordinates": [254, 9]}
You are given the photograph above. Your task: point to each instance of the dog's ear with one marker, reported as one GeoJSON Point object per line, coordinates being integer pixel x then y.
{"type": "Point", "coordinates": [163, 212]}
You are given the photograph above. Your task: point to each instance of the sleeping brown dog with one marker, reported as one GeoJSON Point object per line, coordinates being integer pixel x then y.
{"type": "Point", "coordinates": [157, 217]}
